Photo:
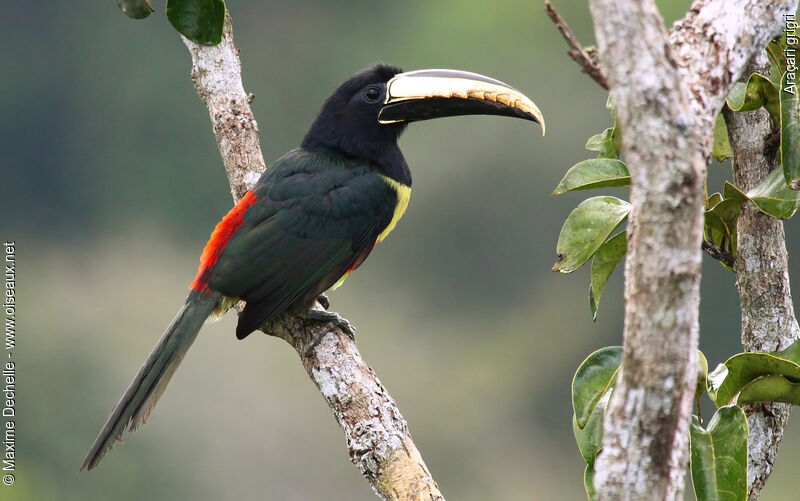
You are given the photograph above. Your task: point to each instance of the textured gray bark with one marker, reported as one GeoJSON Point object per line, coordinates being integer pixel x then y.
{"type": "Point", "coordinates": [762, 278]}
{"type": "Point", "coordinates": [646, 429]}
{"type": "Point", "coordinates": [377, 436]}
{"type": "Point", "coordinates": [668, 89]}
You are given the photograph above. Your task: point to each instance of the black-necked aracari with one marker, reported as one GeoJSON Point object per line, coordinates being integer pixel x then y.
{"type": "Point", "coordinates": [314, 216]}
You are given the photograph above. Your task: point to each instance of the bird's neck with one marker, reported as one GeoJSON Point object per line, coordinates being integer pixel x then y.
{"type": "Point", "coordinates": [392, 164]}
{"type": "Point", "coordinates": [388, 160]}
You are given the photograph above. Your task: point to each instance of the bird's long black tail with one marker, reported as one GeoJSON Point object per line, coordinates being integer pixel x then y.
{"type": "Point", "coordinates": [148, 385]}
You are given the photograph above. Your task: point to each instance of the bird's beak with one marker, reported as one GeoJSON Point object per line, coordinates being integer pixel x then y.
{"type": "Point", "coordinates": [426, 94]}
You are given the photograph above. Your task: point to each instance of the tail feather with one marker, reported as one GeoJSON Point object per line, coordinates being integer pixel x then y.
{"type": "Point", "coordinates": [150, 382]}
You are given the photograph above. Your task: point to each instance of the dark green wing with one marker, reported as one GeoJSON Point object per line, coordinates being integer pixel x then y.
{"type": "Point", "coordinates": [316, 216]}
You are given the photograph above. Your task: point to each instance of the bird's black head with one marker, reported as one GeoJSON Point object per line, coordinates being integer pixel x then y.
{"type": "Point", "coordinates": [348, 120]}
{"type": "Point", "coordinates": [365, 115]}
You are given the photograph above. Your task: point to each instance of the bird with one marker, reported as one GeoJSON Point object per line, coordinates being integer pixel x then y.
{"type": "Point", "coordinates": [313, 217]}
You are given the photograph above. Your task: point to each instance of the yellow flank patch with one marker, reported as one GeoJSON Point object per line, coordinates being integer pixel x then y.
{"type": "Point", "coordinates": [403, 196]}
{"type": "Point", "coordinates": [340, 281]}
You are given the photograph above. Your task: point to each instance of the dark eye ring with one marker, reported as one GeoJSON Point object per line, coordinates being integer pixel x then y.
{"type": "Point", "coordinates": [372, 94]}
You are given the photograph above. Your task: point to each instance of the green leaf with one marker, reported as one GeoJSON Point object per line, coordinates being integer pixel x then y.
{"type": "Point", "coordinates": [590, 437]}
{"type": "Point", "coordinates": [728, 379]}
{"type": "Point", "coordinates": [777, 57]}
{"type": "Point", "coordinates": [702, 375]}
{"type": "Point", "coordinates": [757, 92]}
{"type": "Point", "coordinates": [594, 173]}
{"type": "Point", "coordinates": [609, 143]}
{"type": "Point", "coordinates": [719, 456]}
{"type": "Point", "coordinates": [728, 210]}
{"type": "Point", "coordinates": [200, 21]}
{"type": "Point", "coordinates": [590, 442]}
{"type": "Point", "coordinates": [604, 262]}
{"type": "Point", "coordinates": [774, 198]}
{"type": "Point", "coordinates": [588, 483]}
{"type": "Point", "coordinates": [713, 200]}
{"type": "Point", "coordinates": [135, 9]}
{"type": "Point", "coordinates": [722, 147]}
{"type": "Point", "coordinates": [790, 131]}
{"type": "Point", "coordinates": [592, 387]}
{"type": "Point", "coordinates": [592, 380]}
{"type": "Point", "coordinates": [733, 192]}
{"type": "Point", "coordinates": [772, 388]}
{"type": "Point", "coordinates": [722, 215]}
{"type": "Point", "coordinates": [715, 220]}
{"type": "Point", "coordinates": [585, 230]}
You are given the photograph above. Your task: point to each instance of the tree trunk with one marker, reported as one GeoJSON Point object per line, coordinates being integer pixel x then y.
{"type": "Point", "coordinates": [668, 89]}
{"type": "Point", "coordinates": [762, 278]}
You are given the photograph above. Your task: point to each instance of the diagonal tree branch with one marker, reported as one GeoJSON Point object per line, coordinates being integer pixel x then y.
{"type": "Point", "coordinates": [668, 89]}
{"type": "Point", "coordinates": [377, 436]}
{"type": "Point", "coordinates": [762, 278]}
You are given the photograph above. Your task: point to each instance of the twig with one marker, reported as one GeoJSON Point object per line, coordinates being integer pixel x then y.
{"type": "Point", "coordinates": [718, 253]}
{"type": "Point", "coordinates": [377, 435]}
{"type": "Point", "coordinates": [585, 57]}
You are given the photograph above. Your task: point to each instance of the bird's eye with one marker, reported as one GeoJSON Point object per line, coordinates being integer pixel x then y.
{"type": "Point", "coordinates": [372, 94]}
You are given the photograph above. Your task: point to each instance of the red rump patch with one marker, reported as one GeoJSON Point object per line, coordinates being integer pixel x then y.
{"type": "Point", "coordinates": [360, 259]}
{"type": "Point", "coordinates": [219, 239]}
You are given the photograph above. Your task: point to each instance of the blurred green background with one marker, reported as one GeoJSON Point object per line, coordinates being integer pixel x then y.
{"type": "Point", "coordinates": [111, 183]}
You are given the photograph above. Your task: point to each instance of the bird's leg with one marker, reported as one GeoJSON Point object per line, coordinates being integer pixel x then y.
{"type": "Point", "coordinates": [331, 316]}
{"type": "Point", "coordinates": [327, 316]}
{"type": "Point", "coordinates": [323, 300]}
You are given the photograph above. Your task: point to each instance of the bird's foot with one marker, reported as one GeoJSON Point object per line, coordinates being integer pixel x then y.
{"type": "Point", "coordinates": [328, 316]}
{"type": "Point", "coordinates": [331, 316]}
{"type": "Point", "coordinates": [324, 301]}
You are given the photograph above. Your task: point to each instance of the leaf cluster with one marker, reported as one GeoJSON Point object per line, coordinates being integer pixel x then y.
{"type": "Point", "coordinates": [718, 450]}
{"type": "Point", "coordinates": [589, 230]}
{"type": "Point", "coordinates": [200, 21]}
